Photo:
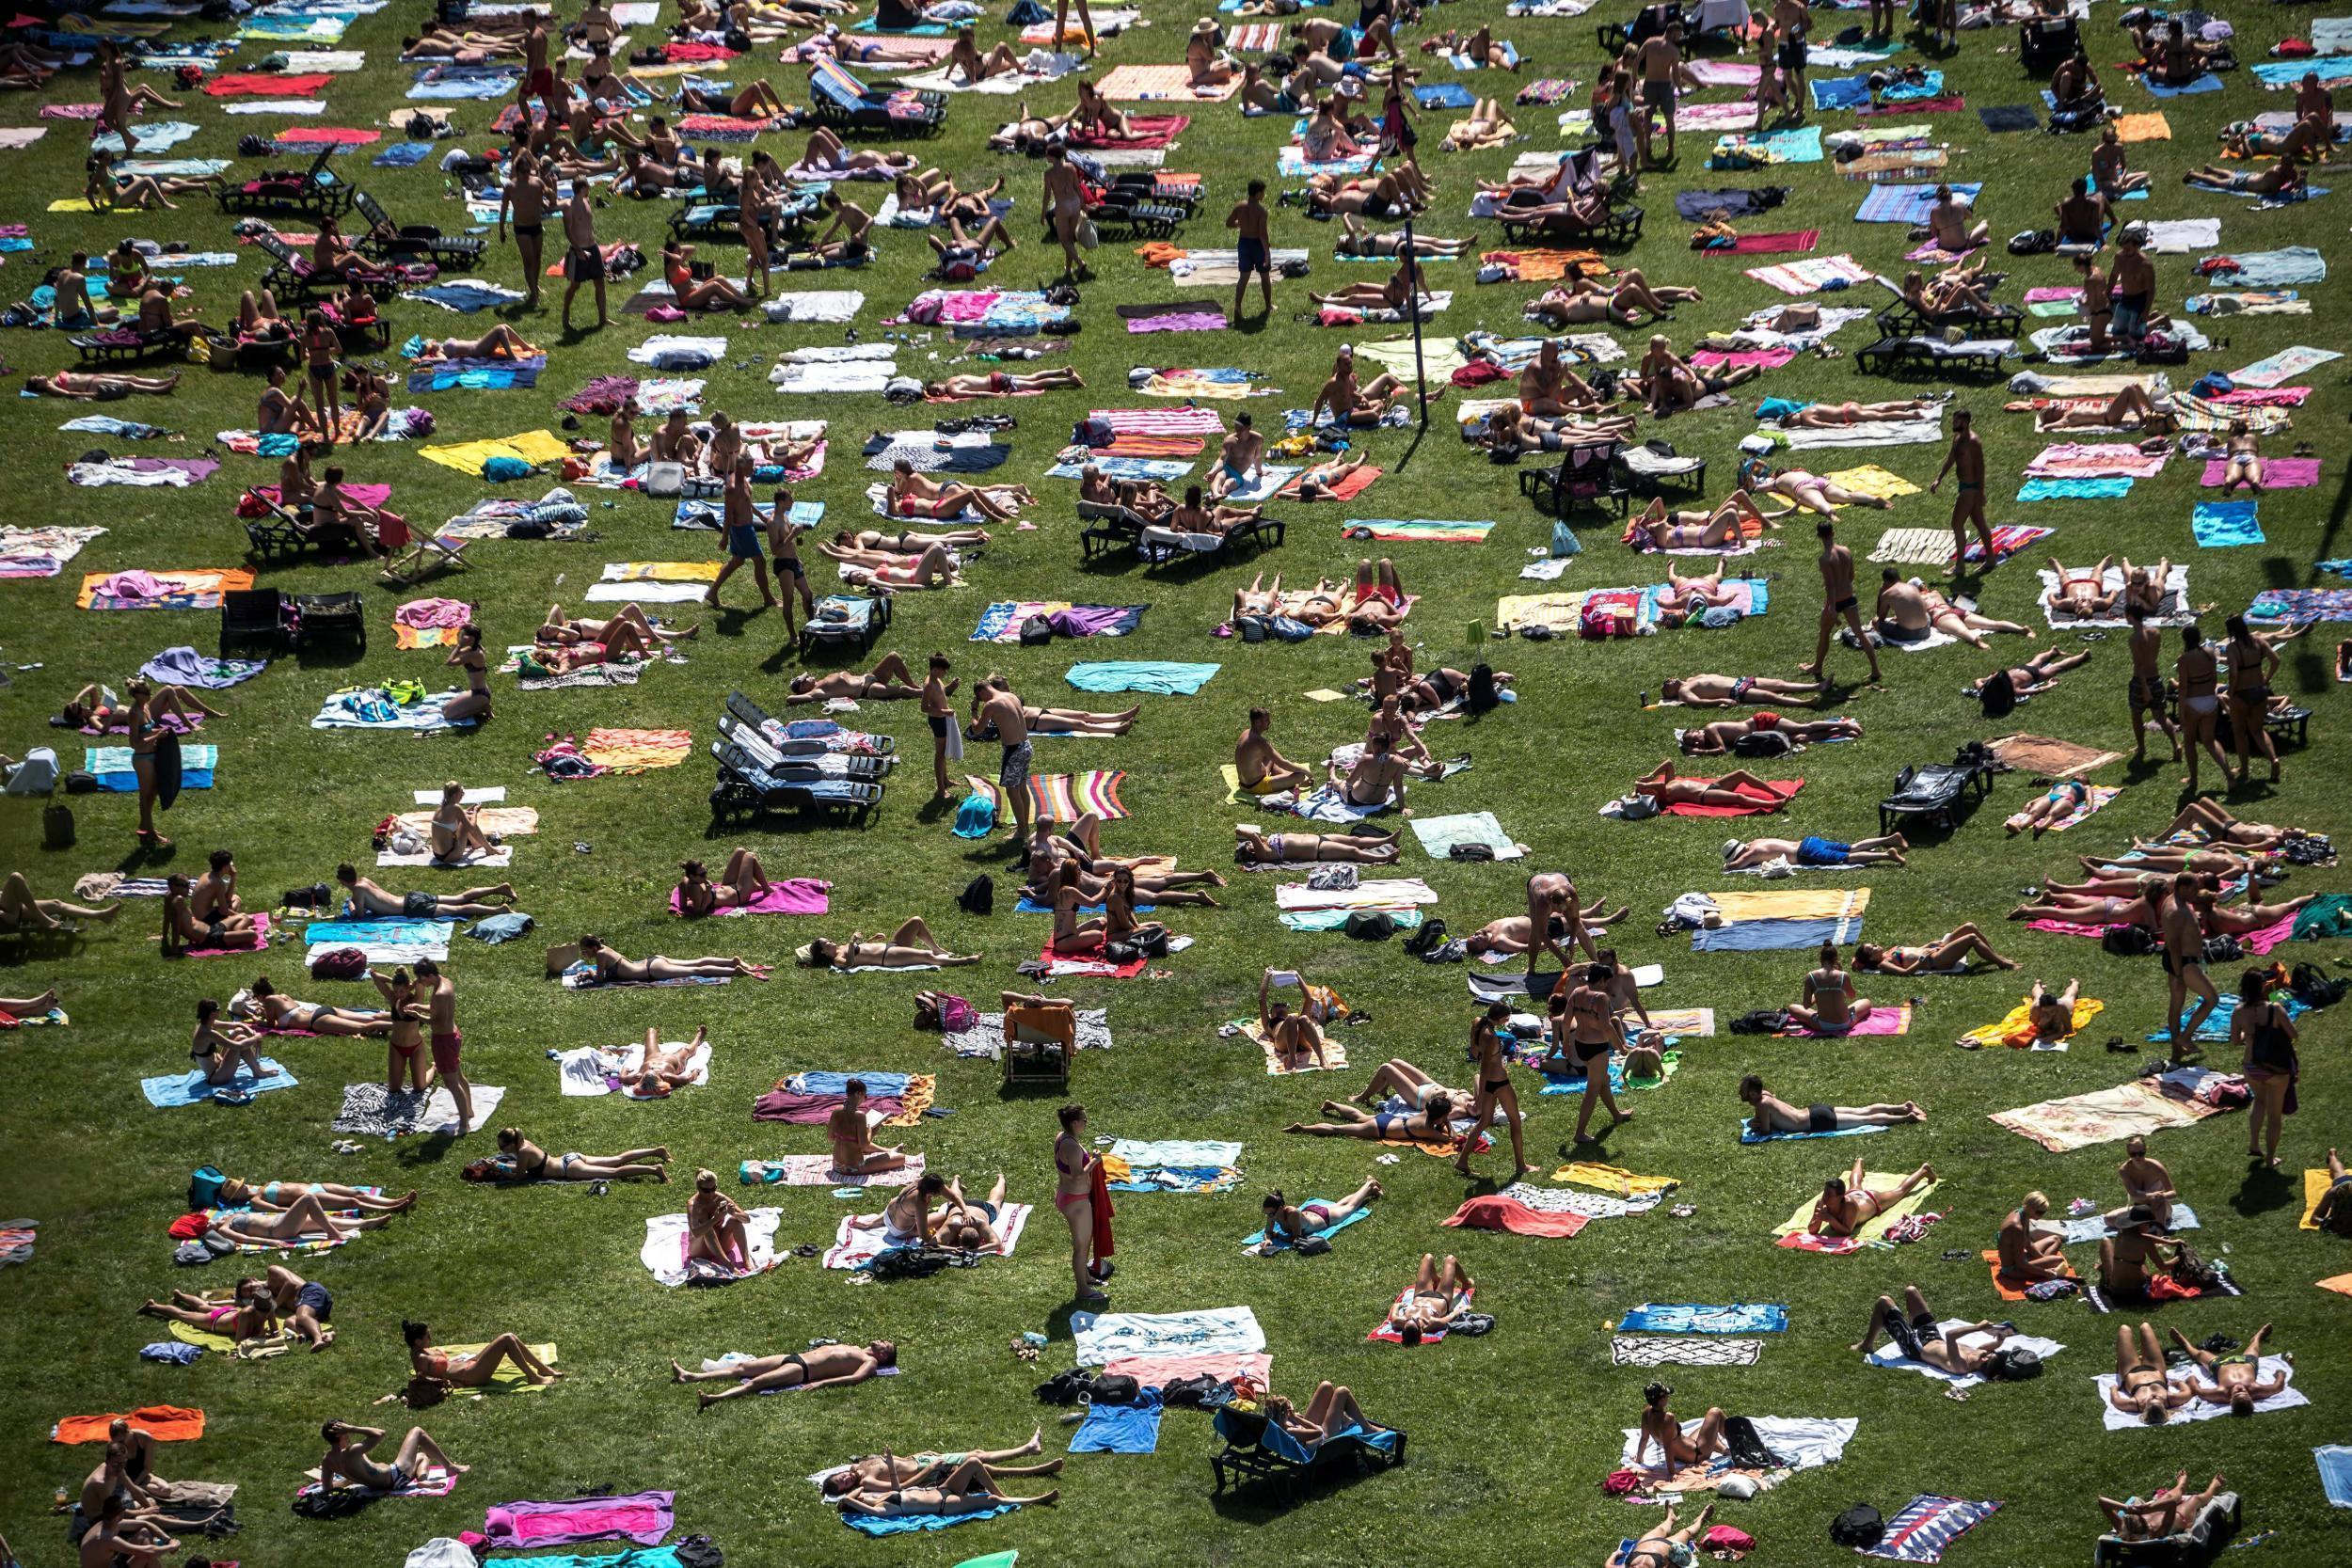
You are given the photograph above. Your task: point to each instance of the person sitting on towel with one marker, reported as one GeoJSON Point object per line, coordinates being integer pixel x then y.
{"type": "Point", "coordinates": [2125, 1257]}
{"type": "Point", "coordinates": [351, 1461]}
{"type": "Point", "coordinates": [744, 882]}
{"type": "Point", "coordinates": [182, 931]}
{"type": "Point", "coordinates": [222, 1049]}
{"type": "Point", "coordinates": [825, 1367]}
{"type": "Point", "coordinates": [1829, 1004]}
{"type": "Point", "coordinates": [1295, 1036]}
{"type": "Point", "coordinates": [1847, 1203]}
{"type": "Point", "coordinates": [1439, 1298]}
{"type": "Point", "coordinates": [1912, 1328]}
{"type": "Point", "coordinates": [1287, 1224]}
{"type": "Point", "coordinates": [2027, 1250]}
{"type": "Point", "coordinates": [1659, 1428]}
{"type": "Point", "coordinates": [1263, 770]}
{"type": "Point", "coordinates": [2333, 1213]}
{"type": "Point", "coordinates": [1773, 1116]}
{"type": "Point", "coordinates": [849, 1129]}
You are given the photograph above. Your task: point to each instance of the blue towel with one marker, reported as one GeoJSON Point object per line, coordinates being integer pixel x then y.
{"type": "Point", "coordinates": [2207, 83]}
{"type": "Point", "coordinates": [1159, 677]}
{"type": "Point", "coordinates": [2074, 489]}
{"type": "Point", "coordinates": [179, 1355]}
{"type": "Point", "coordinates": [2219, 524]}
{"type": "Point", "coordinates": [1173, 1178]}
{"type": "Point", "coordinates": [1748, 1135]}
{"type": "Point", "coordinates": [1327, 1232]}
{"type": "Point", "coordinates": [1162, 468]}
{"type": "Point", "coordinates": [1689, 1317]}
{"type": "Point", "coordinates": [1446, 95]}
{"type": "Point", "coordinates": [1839, 93]}
{"type": "Point", "coordinates": [1030, 906]}
{"type": "Point", "coordinates": [480, 89]}
{"type": "Point", "coordinates": [403, 154]}
{"type": "Point", "coordinates": [879, 1085]}
{"type": "Point", "coordinates": [1763, 936]}
{"type": "Point", "coordinates": [2335, 1473]}
{"type": "Point", "coordinates": [464, 298]}
{"type": "Point", "coordinates": [359, 933]}
{"type": "Point", "coordinates": [187, 1088]}
{"type": "Point", "coordinates": [866, 1524]}
{"type": "Point", "coordinates": [497, 928]}
{"type": "Point", "coordinates": [1906, 203]}
{"type": "Point", "coordinates": [2295, 266]}
{"type": "Point", "coordinates": [1120, 1427]}
{"type": "Point", "coordinates": [2216, 1024]}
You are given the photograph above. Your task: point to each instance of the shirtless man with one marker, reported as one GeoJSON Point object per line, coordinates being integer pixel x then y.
{"type": "Point", "coordinates": [1847, 1205]}
{"type": "Point", "coordinates": [1241, 460]}
{"type": "Point", "coordinates": [849, 1129]}
{"type": "Point", "coordinates": [1065, 204]}
{"type": "Point", "coordinates": [2135, 287]}
{"type": "Point", "coordinates": [2028, 1251]}
{"type": "Point", "coordinates": [1966, 463]}
{"type": "Point", "coordinates": [1714, 691]}
{"type": "Point", "coordinates": [1659, 60]}
{"type": "Point", "coordinates": [2147, 1185]}
{"type": "Point", "coordinates": [1908, 610]}
{"type": "Point", "coordinates": [1295, 1036]}
{"type": "Point", "coordinates": [889, 680]}
{"type": "Point", "coordinates": [1248, 222]}
{"type": "Point", "coordinates": [1838, 601]}
{"type": "Point", "coordinates": [440, 998]}
{"type": "Point", "coordinates": [1664, 785]}
{"type": "Point", "coordinates": [2147, 694]}
{"type": "Point", "coordinates": [1772, 1115]}
{"type": "Point", "coordinates": [525, 197]}
{"type": "Point", "coordinates": [1002, 712]}
{"type": "Point", "coordinates": [1722, 737]}
{"type": "Point", "coordinates": [350, 1459]}
{"type": "Point", "coordinates": [584, 257]}
{"type": "Point", "coordinates": [2183, 956]}
{"type": "Point", "coordinates": [2098, 301]}
{"type": "Point", "coordinates": [2082, 592]}
{"type": "Point", "coordinates": [1911, 1329]}
{"type": "Point", "coordinates": [879, 1472]}
{"type": "Point", "coordinates": [825, 1367]}
{"type": "Point", "coordinates": [1349, 402]}
{"type": "Point", "coordinates": [1263, 770]}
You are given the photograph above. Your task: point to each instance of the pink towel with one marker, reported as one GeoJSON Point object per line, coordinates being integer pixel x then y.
{"type": "Point", "coordinates": [1768, 358]}
{"type": "Point", "coordinates": [794, 895]}
{"type": "Point", "coordinates": [2269, 936]}
{"type": "Point", "coordinates": [1156, 1372]}
{"type": "Point", "coordinates": [1767, 244]}
{"type": "Point", "coordinates": [2278, 473]}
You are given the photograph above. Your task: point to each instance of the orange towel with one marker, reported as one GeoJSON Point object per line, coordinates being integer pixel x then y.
{"type": "Point", "coordinates": [2146, 127]}
{"type": "Point", "coordinates": [636, 750]}
{"type": "Point", "coordinates": [166, 1423]}
{"type": "Point", "coordinates": [2341, 1284]}
{"type": "Point", "coordinates": [1543, 266]}
{"type": "Point", "coordinates": [2013, 1292]}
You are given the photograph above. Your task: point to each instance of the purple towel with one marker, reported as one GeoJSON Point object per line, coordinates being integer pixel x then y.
{"type": "Point", "coordinates": [184, 666]}
{"type": "Point", "coordinates": [643, 1518]}
{"type": "Point", "coordinates": [1180, 320]}
{"type": "Point", "coordinates": [1095, 620]}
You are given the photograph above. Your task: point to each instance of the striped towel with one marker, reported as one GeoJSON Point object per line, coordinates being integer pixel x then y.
{"type": "Point", "coordinates": [637, 751]}
{"type": "Point", "coordinates": [1422, 530]}
{"type": "Point", "coordinates": [1064, 797]}
{"type": "Point", "coordinates": [1162, 422]}
{"type": "Point", "coordinates": [1927, 1524]}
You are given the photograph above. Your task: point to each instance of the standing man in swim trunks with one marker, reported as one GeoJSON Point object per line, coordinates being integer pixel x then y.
{"type": "Point", "coordinates": [1065, 205]}
{"type": "Point", "coordinates": [442, 1008]}
{"type": "Point", "coordinates": [526, 197]}
{"type": "Point", "coordinates": [738, 519]}
{"type": "Point", "coordinates": [940, 714]}
{"type": "Point", "coordinates": [1838, 602]}
{"type": "Point", "coordinates": [1249, 223]}
{"type": "Point", "coordinates": [784, 548]}
{"type": "Point", "coordinates": [1550, 895]}
{"type": "Point", "coordinates": [583, 258]}
{"type": "Point", "coordinates": [2183, 956]}
{"type": "Point", "coordinates": [2147, 693]}
{"type": "Point", "coordinates": [1660, 58]}
{"type": "Point", "coordinates": [2135, 287]}
{"type": "Point", "coordinates": [1003, 711]}
{"type": "Point", "coordinates": [538, 81]}
{"type": "Point", "coordinates": [1965, 462]}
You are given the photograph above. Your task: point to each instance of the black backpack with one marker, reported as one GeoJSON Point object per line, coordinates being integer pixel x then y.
{"type": "Point", "coordinates": [1371, 924]}
{"type": "Point", "coordinates": [1762, 743]}
{"type": "Point", "coordinates": [1430, 937]}
{"type": "Point", "coordinates": [2129, 942]}
{"type": "Point", "coordinates": [2313, 988]}
{"type": "Point", "coordinates": [1036, 631]}
{"type": "Point", "coordinates": [1066, 1388]}
{"type": "Point", "coordinates": [1859, 1527]}
{"type": "Point", "coordinates": [1482, 696]}
{"type": "Point", "coordinates": [1116, 1389]}
{"type": "Point", "coordinates": [1762, 1021]}
{"type": "Point", "coordinates": [57, 826]}
{"type": "Point", "coordinates": [2223, 948]}
{"type": "Point", "coordinates": [1745, 1445]}
{"type": "Point", "coordinates": [978, 896]}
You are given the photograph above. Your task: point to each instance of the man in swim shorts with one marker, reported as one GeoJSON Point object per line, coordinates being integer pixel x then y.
{"type": "Point", "coordinates": [441, 999]}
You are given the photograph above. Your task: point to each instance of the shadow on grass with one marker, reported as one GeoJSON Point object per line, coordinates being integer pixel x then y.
{"type": "Point", "coordinates": [2266, 1191]}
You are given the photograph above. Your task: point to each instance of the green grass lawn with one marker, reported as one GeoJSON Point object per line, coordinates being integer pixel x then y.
{"type": "Point", "coordinates": [1511, 1433]}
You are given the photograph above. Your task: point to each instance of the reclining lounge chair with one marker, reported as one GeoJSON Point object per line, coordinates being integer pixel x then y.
{"type": "Point", "coordinates": [1933, 789]}
{"type": "Point", "coordinates": [1257, 1449]}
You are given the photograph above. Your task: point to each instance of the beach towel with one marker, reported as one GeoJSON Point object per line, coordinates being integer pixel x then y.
{"type": "Point", "coordinates": [2278, 473]}
{"type": "Point", "coordinates": [369, 1109]}
{"type": "Point", "coordinates": [2221, 525]}
{"type": "Point", "coordinates": [1144, 133]}
{"type": "Point", "coordinates": [587, 1070]}
{"type": "Point", "coordinates": [1227, 1330]}
{"type": "Point", "coordinates": [1882, 1019]}
{"type": "Point", "coordinates": [432, 1483]}
{"type": "Point", "coordinates": [2199, 1409]}
{"type": "Point", "coordinates": [1748, 1134]}
{"type": "Point", "coordinates": [1648, 1350]}
{"type": "Point", "coordinates": [1385, 1331]}
{"type": "Point", "coordinates": [1257, 1239]}
{"type": "Point", "coordinates": [385, 939]}
{"type": "Point", "coordinates": [1158, 1371]}
{"type": "Point", "coordinates": [1792, 1231]}
{"type": "Point", "coordinates": [165, 590]}
{"type": "Point", "coordinates": [665, 1251]}
{"type": "Point", "coordinates": [856, 1246]}
{"type": "Point", "coordinates": [1802, 1442]}
{"type": "Point", "coordinates": [166, 1423]}
{"type": "Point", "coordinates": [2294, 266]}
{"type": "Point", "coordinates": [533, 447]}
{"type": "Point", "coordinates": [1889, 1355]}
{"type": "Point", "coordinates": [190, 1087]}
{"type": "Point", "coordinates": [1439, 834]}
{"type": "Point", "coordinates": [2172, 605]}
{"type": "Point", "coordinates": [2104, 1115]}
{"type": "Point", "coordinates": [1160, 677]}
{"type": "Point", "coordinates": [1781, 792]}
{"type": "Point", "coordinates": [1812, 274]}
{"type": "Point", "coordinates": [2016, 1029]}
{"type": "Point", "coordinates": [816, 1170]}
{"type": "Point", "coordinates": [1739, 1317]}
{"type": "Point", "coordinates": [628, 752]}
{"type": "Point", "coordinates": [642, 1517]}
{"type": "Point", "coordinates": [2301, 603]}
{"type": "Point", "coordinates": [788, 896]}
{"type": "Point", "coordinates": [1499, 1213]}
{"type": "Point", "coordinates": [112, 767]}
{"type": "Point", "coordinates": [1924, 1527]}
{"type": "Point", "coordinates": [1149, 84]}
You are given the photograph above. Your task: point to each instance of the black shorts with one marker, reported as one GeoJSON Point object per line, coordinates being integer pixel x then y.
{"type": "Point", "coordinates": [1792, 52]}
{"type": "Point", "coordinates": [791, 563]}
{"type": "Point", "coordinates": [1822, 1119]}
{"type": "Point", "coordinates": [1847, 603]}
{"type": "Point", "coordinates": [939, 724]}
{"type": "Point", "coordinates": [1254, 257]}
{"type": "Point", "coordinates": [313, 1295]}
{"type": "Point", "coordinates": [419, 905]}
{"type": "Point", "coordinates": [528, 230]}
{"type": "Point", "coordinates": [1911, 1338]}
{"type": "Point", "coordinates": [584, 265]}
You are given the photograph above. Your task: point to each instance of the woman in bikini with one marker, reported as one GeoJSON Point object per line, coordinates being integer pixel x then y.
{"type": "Point", "coordinates": [1721, 738]}
{"type": "Point", "coordinates": [2142, 1387]}
{"type": "Point", "coordinates": [146, 731]}
{"type": "Point", "coordinates": [1808, 489]}
{"type": "Point", "coordinates": [915, 494]}
{"type": "Point", "coordinates": [1287, 1225]}
{"type": "Point", "coordinates": [1660, 1429]}
{"type": "Point", "coordinates": [743, 881]}
{"type": "Point", "coordinates": [1074, 1164]}
{"type": "Point", "coordinates": [911, 947]}
{"type": "Point", "coordinates": [2266, 1033]}
{"type": "Point", "coordinates": [1588, 1020]}
{"type": "Point", "coordinates": [1333, 1410]}
{"type": "Point", "coordinates": [1829, 1004]}
{"type": "Point", "coordinates": [1847, 1204]}
{"type": "Point", "coordinates": [474, 702]}
{"type": "Point", "coordinates": [1724, 526]}
{"type": "Point", "coordinates": [1683, 598]}
{"type": "Point", "coordinates": [2054, 805]}
{"type": "Point", "coordinates": [1441, 1294]}
{"type": "Point", "coordinates": [528, 1162]}
{"type": "Point", "coordinates": [716, 1229]}
{"type": "Point", "coordinates": [1948, 953]}
{"type": "Point", "coordinates": [282, 1014]}
{"type": "Point", "coordinates": [2039, 673]}
{"type": "Point", "coordinates": [2141, 908]}
{"type": "Point", "coordinates": [1490, 1066]}
{"type": "Point", "coordinates": [609, 967]}
{"type": "Point", "coordinates": [1253, 846]}
{"type": "Point", "coordinates": [1664, 1545]}
{"type": "Point", "coordinates": [2197, 677]}
{"type": "Point", "coordinates": [1433, 1124]}
{"type": "Point", "coordinates": [697, 293]}
{"type": "Point", "coordinates": [184, 932]}
{"type": "Point", "coordinates": [246, 1317]}
{"type": "Point", "coordinates": [2252, 663]}
{"type": "Point", "coordinates": [475, 1369]}
{"type": "Point", "coordinates": [306, 1220]}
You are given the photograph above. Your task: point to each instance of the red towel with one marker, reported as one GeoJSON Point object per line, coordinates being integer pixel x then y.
{"type": "Point", "coordinates": [1144, 131]}
{"type": "Point", "coordinates": [1351, 484]}
{"type": "Point", "coordinates": [1102, 1212]}
{"type": "Point", "coordinates": [1767, 244]}
{"type": "Point", "coordinates": [166, 1423]}
{"type": "Point", "coordinates": [261, 84]}
{"type": "Point", "coordinates": [1782, 789]}
{"type": "Point", "coordinates": [1509, 1213]}
{"type": "Point", "coordinates": [320, 135]}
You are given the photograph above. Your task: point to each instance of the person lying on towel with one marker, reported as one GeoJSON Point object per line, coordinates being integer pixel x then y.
{"type": "Point", "coordinates": [825, 1367]}
{"type": "Point", "coordinates": [883, 1473]}
{"type": "Point", "coordinates": [1773, 1116]}
{"type": "Point", "coordinates": [1287, 1223]}
{"type": "Point", "coordinates": [1847, 1204]}
{"type": "Point", "coordinates": [1439, 1298]}
{"type": "Point", "coordinates": [1911, 1329]}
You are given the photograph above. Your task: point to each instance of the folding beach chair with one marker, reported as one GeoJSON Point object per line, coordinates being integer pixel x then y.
{"type": "Point", "coordinates": [1109, 527]}
{"type": "Point", "coordinates": [1039, 1045]}
{"type": "Point", "coordinates": [1257, 1449]}
{"type": "Point", "coordinates": [842, 101]}
{"type": "Point", "coordinates": [413, 557]}
{"type": "Point", "coordinates": [1933, 357]}
{"type": "Point", "coordinates": [1935, 790]}
{"type": "Point", "coordinates": [414, 242]}
{"type": "Point", "coordinates": [122, 345]}
{"type": "Point", "coordinates": [284, 192]}
{"type": "Point", "coordinates": [843, 621]}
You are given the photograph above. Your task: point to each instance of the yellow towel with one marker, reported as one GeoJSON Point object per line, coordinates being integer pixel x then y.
{"type": "Point", "coordinates": [663, 571]}
{"type": "Point", "coordinates": [1872, 480]}
{"type": "Point", "coordinates": [2146, 127]}
{"type": "Point", "coordinates": [1613, 1179]}
{"type": "Point", "coordinates": [467, 457]}
{"type": "Point", "coordinates": [1235, 792]}
{"type": "Point", "coordinates": [1874, 1228]}
{"type": "Point", "coordinates": [1334, 1053]}
{"type": "Point", "coordinates": [509, 1378]}
{"type": "Point", "coordinates": [2013, 1029]}
{"type": "Point", "coordinates": [2314, 1188]}
{"type": "Point", "coordinates": [1793, 904]}
{"type": "Point", "coordinates": [1518, 611]}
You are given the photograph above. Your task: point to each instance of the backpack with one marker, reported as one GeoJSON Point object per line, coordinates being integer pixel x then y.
{"type": "Point", "coordinates": [1116, 1389]}
{"type": "Point", "coordinates": [1745, 1445]}
{"type": "Point", "coordinates": [2014, 1364]}
{"type": "Point", "coordinates": [2129, 942]}
{"type": "Point", "coordinates": [978, 896]}
{"type": "Point", "coordinates": [1761, 1021]}
{"type": "Point", "coordinates": [2223, 949]}
{"type": "Point", "coordinates": [1427, 940]}
{"type": "Point", "coordinates": [1065, 1387]}
{"type": "Point", "coordinates": [2033, 241]}
{"type": "Point", "coordinates": [1470, 852]}
{"type": "Point", "coordinates": [315, 897]}
{"type": "Point", "coordinates": [340, 963]}
{"type": "Point", "coordinates": [2313, 988]}
{"type": "Point", "coordinates": [1371, 924]}
{"type": "Point", "coordinates": [1858, 1527]}
{"type": "Point", "coordinates": [57, 826]}
{"type": "Point", "coordinates": [1036, 631]}
{"type": "Point", "coordinates": [1762, 743]}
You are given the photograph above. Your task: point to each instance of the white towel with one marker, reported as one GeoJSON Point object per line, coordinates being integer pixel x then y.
{"type": "Point", "coordinates": [2195, 1409]}
{"type": "Point", "coordinates": [645, 593]}
{"type": "Point", "coordinates": [584, 1070]}
{"type": "Point", "coordinates": [649, 351]}
{"type": "Point", "coordinates": [1219, 1330]}
{"type": "Point", "coordinates": [1869, 433]}
{"type": "Point", "coordinates": [664, 1252]}
{"type": "Point", "coordinates": [488, 795]}
{"type": "Point", "coordinates": [2174, 608]}
{"type": "Point", "coordinates": [497, 858]}
{"type": "Point", "coordinates": [1805, 1442]}
{"type": "Point", "coordinates": [865, 376]}
{"type": "Point", "coordinates": [1887, 1356]}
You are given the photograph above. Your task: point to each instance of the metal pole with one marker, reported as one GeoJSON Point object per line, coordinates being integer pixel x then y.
{"type": "Point", "coordinates": [1412, 299]}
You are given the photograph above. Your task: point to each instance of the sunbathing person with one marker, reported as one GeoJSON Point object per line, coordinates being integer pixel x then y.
{"type": "Point", "coordinates": [1722, 737]}
{"type": "Point", "coordinates": [278, 1197]}
{"type": "Point", "coordinates": [2081, 592]}
{"type": "Point", "coordinates": [1814, 850]}
{"type": "Point", "coordinates": [887, 680]}
{"type": "Point", "coordinates": [1808, 489]}
{"type": "Point", "coordinates": [1837, 416]}
{"type": "Point", "coordinates": [1377, 196]}
{"type": "Point", "coordinates": [716, 1230]}
{"type": "Point", "coordinates": [689, 292]}
{"type": "Point", "coordinates": [1358, 239]}
{"type": "Point", "coordinates": [21, 911]}
{"type": "Point", "coordinates": [1401, 294]}
{"type": "Point", "coordinates": [1664, 785]}
{"type": "Point", "coordinates": [917, 494]}
{"type": "Point", "coordinates": [1724, 527]}
{"type": "Point", "coordinates": [662, 1068]}
{"type": "Point", "coordinates": [1440, 1298]}
{"type": "Point", "coordinates": [1003, 384]}
{"type": "Point", "coordinates": [501, 342]}
{"type": "Point", "coordinates": [2129, 409]}
{"type": "Point", "coordinates": [881, 1471]}
{"type": "Point", "coordinates": [1253, 846]}
{"type": "Point", "coordinates": [2282, 178]}
{"type": "Point", "coordinates": [306, 1220]}
{"type": "Point", "coordinates": [1908, 610]}
{"type": "Point", "coordinates": [1262, 770]}
{"type": "Point", "coordinates": [1402, 1081]}
{"type": "Point", "coordinates": [1950, 954]}
{"type": "Point", "coordinates": [609, 967]}
{"type": "Point", "coordinates": [1829, 1004]}
{"type": "Point", "coordinates": [2333, 1213]}
{"type": "Point", "coordinates": [1287, 1225]}
{"type": "Point", "coordinates": [1333, 1410]}
{"type": "Point", "coordinates": [1847, 1204]}
{"type": "Point", "coordinates": [117, 1538]}
{"type": "Point", "coordinates": [2138, 908]}
{"type": "Point", "coordinates": [1714, 691]}
{"type": "Point", "coordinates": [2052, 807]}
{"type": "Point", "coordinates": [967, 1488]}
{"type": "Point", "coordinates": [2037, 674]}
{"type": "Point", "coordinates": [742, 882]}
{"type": "Point", "coordinates": [1680, 599]}
{"type": "Point", "coordinates": [911, 947]}
{"type": "Point", "coordinates": [1773, 1115]}
{"type": "Point", "coordinates": [1432, 1124]}
{"type": "Point", "coordinates": [475, 1369]}
{"type": "Point", "coordinates": [2238, 1380]}
{"type": "Point", "coordinates": [1320, 482]}
{"type": "Point", "coordinates": [2142, 1387]}
{"type": "Point", "coordinates": [351, 1460]}
{"type": "Point", "coordinates": [1911, 1329]}
{"type": "Point", "coordinates": [825, 1367]}
{"type": "Point", "coordinates": [98, 386]}
{"type": "Point", "coordinates": [222, 1049]}
{"type": "Point", "coordinates": [1660, 1429]}
{"type": "Point", "coordinates": [367, 898]}
{"type": "Point", "coordinates": [530, 1162]}
{"type": "Point", "coordinates": [244, 1316]}
{"type": "Point", "coordinates": [89, 711]}
{"type": "Point", "coordinates": [2173, 1509]}
{"type": "Point", "coordinates": [2028, 1250]}
{"type": "Point", "coordinates": [1664, 1545]}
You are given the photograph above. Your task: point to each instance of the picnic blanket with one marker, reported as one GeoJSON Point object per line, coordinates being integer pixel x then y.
{"type": "Point", "coordinates": [664, 1250]}
{"type": "Point", "coordinates": [1223, 1330]}
{"type": "Point", "coordinates": [1739, 1317]}
{"type": "Point", "coordinates": [2102, 1115]}
{"type": "Point", "coordinates": [1812, 274]}
{"type": "Point", "coordinates": [1792, 1231]}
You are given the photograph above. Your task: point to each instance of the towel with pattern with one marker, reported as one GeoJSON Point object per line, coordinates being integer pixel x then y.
{"type": "Point", "coordinates": [1922, 1528]}
{"type": "Point", "coordinates": [816, 1170]}
{"type": "Point", "coordinates": [665, 1257]}
{"type": "Point", "coordinates": [1100, 1337]}
{"type": "Point", "coordinates": [1793, 1231]}
{"type": "Point", "coordinates": [2102, 1115]}
{"type": "Point", "coordinates": [856, 1246]}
